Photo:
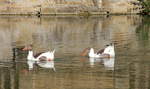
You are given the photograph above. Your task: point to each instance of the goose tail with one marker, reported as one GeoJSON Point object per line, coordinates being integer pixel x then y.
{"type": "Point", "coordinates": [91, 53]}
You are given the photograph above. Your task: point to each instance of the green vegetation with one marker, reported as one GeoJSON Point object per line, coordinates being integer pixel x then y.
{"type": "Point", "coordinates": [146, 6]}
{"type": "Point", "coordinates": [143, 29]}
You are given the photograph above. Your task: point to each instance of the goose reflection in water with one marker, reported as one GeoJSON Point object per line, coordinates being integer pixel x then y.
{"type": "Point", "coordinates": [31, 64]}
{"type": "Point", "coordinates": [43, 64]}
{"type": "Point", "coordinates": [94, 60]}
{"type": "Point", "coordinates": [46, 64]}
{"type": "Point", "coordinates": [108, 62]}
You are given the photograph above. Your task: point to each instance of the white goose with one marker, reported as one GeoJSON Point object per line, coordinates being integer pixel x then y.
{"type": "Point", "coordinates": [44, 56]}
{"type": "Point", "coordinates": [108, 52]}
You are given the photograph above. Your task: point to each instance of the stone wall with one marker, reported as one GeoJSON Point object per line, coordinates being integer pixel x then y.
{"type": "Point", "coordinates": [68, 6]}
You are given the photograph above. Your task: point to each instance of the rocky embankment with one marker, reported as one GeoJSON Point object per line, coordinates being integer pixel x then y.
{"type": "Point", "coordinates": [53, 7]}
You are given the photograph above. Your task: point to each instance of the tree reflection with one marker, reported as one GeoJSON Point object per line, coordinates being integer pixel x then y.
{"type": "Point", "coordinates": [143, 29]}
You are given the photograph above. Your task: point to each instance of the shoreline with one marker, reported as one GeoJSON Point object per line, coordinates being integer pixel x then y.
{"type": "Point", "coordinates": [69, 14]}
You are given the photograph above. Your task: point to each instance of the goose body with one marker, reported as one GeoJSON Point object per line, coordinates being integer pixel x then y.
{"type": "Point", "coordinates": [108, 52]}
{"type": "Point", "coordinates": [93, 55]}
{"type": "Point", "coordinates": [46, 56]}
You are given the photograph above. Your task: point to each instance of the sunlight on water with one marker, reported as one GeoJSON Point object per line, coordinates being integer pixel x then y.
{"type": "Point", "coordinates": [69, 36]}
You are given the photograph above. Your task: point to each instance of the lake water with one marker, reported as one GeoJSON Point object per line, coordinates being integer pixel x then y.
{"type": "Point", "coordinates": [69, 36]}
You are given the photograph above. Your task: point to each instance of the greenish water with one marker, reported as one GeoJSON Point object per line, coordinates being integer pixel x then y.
{"type": "Point", "coordinates": [69, 36]}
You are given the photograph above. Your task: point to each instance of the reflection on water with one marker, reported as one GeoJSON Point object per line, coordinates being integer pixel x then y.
{"type": "Point", "coordinates": [42, 64]}
{"type": "Point", "coordinates": [107, 62]}
{"type": "Point", "coordinates": [69, 36]}
{"type": "Point", "coordinates": [47, 64]}
{"type": "Point", "coordinates": [30, 64]}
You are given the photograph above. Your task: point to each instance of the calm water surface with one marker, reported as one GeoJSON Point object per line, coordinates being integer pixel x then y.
{"type": "Point", "coordinates": [69, 36]}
